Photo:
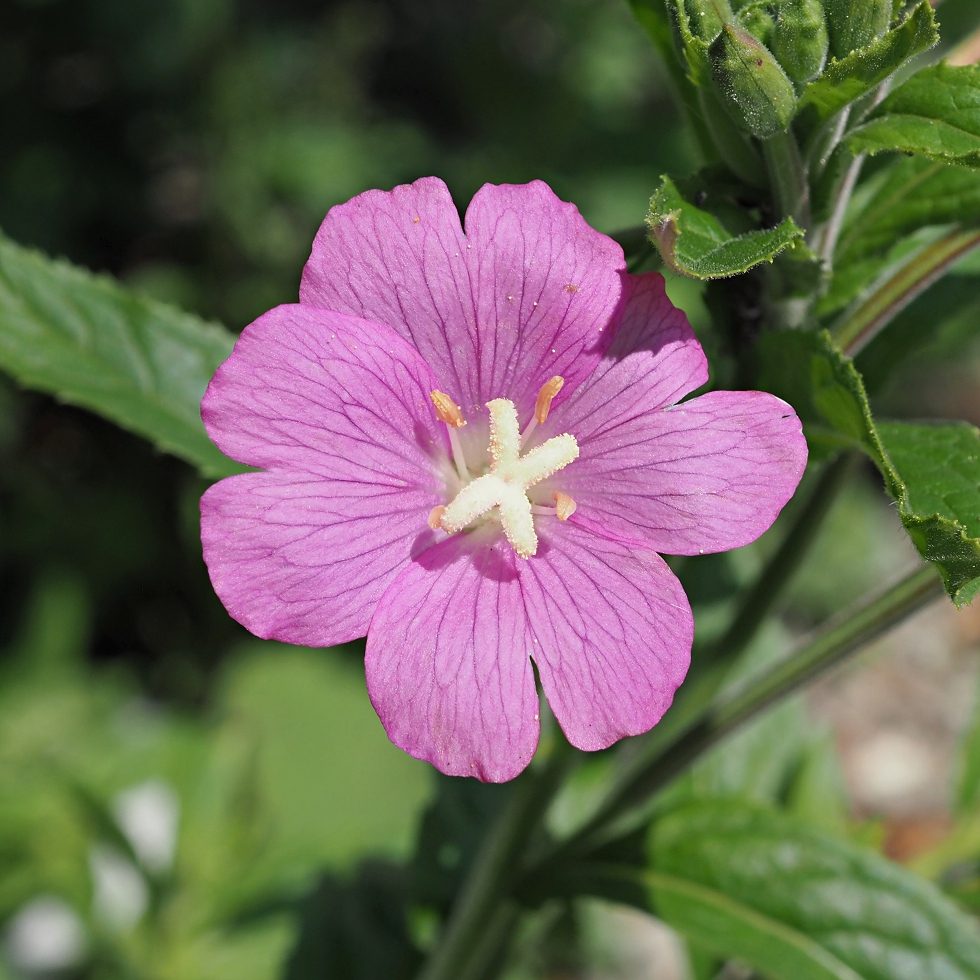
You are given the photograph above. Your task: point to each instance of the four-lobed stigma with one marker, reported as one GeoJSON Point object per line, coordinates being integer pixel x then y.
{"type": "Point", "coordinates": [505, 487]}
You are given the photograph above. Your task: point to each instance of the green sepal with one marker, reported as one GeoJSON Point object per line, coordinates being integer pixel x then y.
{"type": "Point", "coordinates": [693, 242]}
{"type": "Point", "coordinates": [856, 74]}
{"type": "Point", "coordinates": [854, 24]}
{"type": "Point", "coordinates": [935, 114]}
{"type": "Point", "coordinates": [753, 88]}
{"type": "Point", "coordinates": [799, 38]}
{"type": "Point", "coordinates": [931, 471]}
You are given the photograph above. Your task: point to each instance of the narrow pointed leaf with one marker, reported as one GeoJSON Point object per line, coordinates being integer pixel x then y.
{"type": "Point", "coordinates": [798, 904]}
{"type": "Point", "coordinates": [844, 81]}
{"type": "Point", "coordinates": [86, 340]}
{"type": "Point", "coordinates": [935, 114]}
{"type": "Point", "coordinates": [695, 243]}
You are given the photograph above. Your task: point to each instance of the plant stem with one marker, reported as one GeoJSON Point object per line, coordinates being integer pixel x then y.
{"type": "Point", "coordinates": [831, 232]}
{"type": "Point", "coordinates": [858, 326]}
{"type": "Point", "coordinates": [488, 883]}
{"type": "Point", "coordinates": [787, 177]}
{"type": "Point", "coordinates": [827, 647]}
{"type": "Point", "coordinates": [780, 568]}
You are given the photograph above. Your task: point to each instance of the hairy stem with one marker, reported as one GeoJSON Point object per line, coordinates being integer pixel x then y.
{"type": "Point", "coordinates": [857, 327]}
{"type": "Point", "coordinates": [787, 177]}
{"type": "Point", "coordinates": [827, 647]}
{"type": "Point", "coordinates": [831, 231]}
{"type": "Point", "coordinates": [461, 952]}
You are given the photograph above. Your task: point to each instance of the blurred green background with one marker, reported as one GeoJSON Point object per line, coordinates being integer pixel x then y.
{"type": "Point", "coordinates": [168, 785]}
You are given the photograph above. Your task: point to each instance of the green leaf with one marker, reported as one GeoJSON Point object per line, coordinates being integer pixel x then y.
{"type": "Point", "coordinates": [695, 243]}
{"type": "Point", "coordinates": [809, 371]}
{"type": "Point", "coordinates": [915, 193]}
{"type": "Point", "coordinates": [932, 471]}
{"type": "Point", "coordinates": [798, 904]}
{"type": "Point", "coordinates": [842, 82]}
{"type": "Point", "coordinates": [940, 499]}
{"type": "Point", "coordinates": [86, 340]}
{"type": "Point", "coordinates": [935, 114]}
{"type": "Point", "coordinates": [937, 324]}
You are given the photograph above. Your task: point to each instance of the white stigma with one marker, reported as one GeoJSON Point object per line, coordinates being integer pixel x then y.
{"type": "Point", "coordinates": [510, 477]}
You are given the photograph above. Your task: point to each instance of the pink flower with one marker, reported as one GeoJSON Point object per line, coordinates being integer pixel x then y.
{"type": "Point", "coordinates": [471, 451]}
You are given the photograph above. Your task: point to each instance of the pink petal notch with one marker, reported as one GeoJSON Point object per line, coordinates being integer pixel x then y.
{"type": "Point", "coordinates": [612, 633]}
{"type": "Point", "coordinates": [529, 292]}
{"type": "Point", "coordinates": [447, 661]}
{"type": "Point", "coordinates": [336, 410]}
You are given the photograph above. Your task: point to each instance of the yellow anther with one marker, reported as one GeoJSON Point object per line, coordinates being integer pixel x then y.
{"type": "Point", "coordinates": [564, 505]}
{"type": "Point", "coordinates": [435, 517]}
{"type": "Point", "coordinates": [447, 410]}
{"type": "Point", "coordinates": [545, 397]}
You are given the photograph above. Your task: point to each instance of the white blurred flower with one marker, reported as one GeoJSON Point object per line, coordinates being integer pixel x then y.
{"type": "Point", "coordinates": [45, 936]}
{"type": "Point", "coordinates": [148, 815]}
{"type": "Point", "coordinates": [120, 894]}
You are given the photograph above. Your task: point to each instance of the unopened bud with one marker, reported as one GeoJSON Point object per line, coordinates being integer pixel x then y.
{"type": "Point", "coordinates": [705, 18]}
{"type": "Point", "coordinates": [753, 88]}
{"type": "Point", "coordinates": [758, 21]}
{"type": "Point", "coordinates": [854, 24]}
{"type": "Point", "coordinates": [799, 39]}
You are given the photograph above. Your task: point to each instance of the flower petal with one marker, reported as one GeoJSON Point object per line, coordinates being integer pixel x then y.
{"type": "Point", "coordinates": [321, 392]}
{"type": "Point", "coordinates": [707, 475]}
{"type": "Point", "coordinates": [447, 660]}
{"type": "Point", "coordinates": [304, 560]}
{"type": "Point", "coordinates": [338, 409]}
{"type": "Point", "coordinates": [531, 291]}
{"type": "Point", "coordinates": [653, 361]}
{"type": "Point", "coordinates": [612, 633]}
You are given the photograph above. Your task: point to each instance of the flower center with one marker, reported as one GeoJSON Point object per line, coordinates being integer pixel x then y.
{"type": "Point", "coordinates": [511, 475]}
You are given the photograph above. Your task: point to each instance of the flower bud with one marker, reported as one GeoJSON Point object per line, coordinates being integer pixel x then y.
{"type": "Point", "coordinates": [854, 24]}
{"type": "Point", "coordinates": [706, 17]}
{"type": "Point", "coordinates": [799, 39]}
{"type": "Point", "coordinates": [758, 21]}
{"type": "Point", "coordinates": [753, 88]}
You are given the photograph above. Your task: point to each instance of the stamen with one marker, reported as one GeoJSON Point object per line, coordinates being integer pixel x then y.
{"type": "Point", "coordinates": [505, 487]}
{"type": "Point", "coordinates": [435, 517]}
{"type": "Point", "coordinates": [546, 396]}
{"type": "Point", "coordinates": [449, 412]}
{"type": "Point", "coordinates": [564, 505]}
{"type": "Point", "coordinates": [543, 405]}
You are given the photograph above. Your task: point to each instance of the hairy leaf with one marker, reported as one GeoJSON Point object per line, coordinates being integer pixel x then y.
{"type": "Point", "coordinates": [844, 81]}
{"type": "Point", "coordinates": [86, 340]}
{"type": "Point", "coordinates": [935, 114]}
{"type": "Point", "coordinates": [798, 904]}
{"type": "Point", "coordinates": [939, 466]}
{"type": "Point", "coordinates": [932, 471]}
{"type": "Point", "coordinates": [695, 243]}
